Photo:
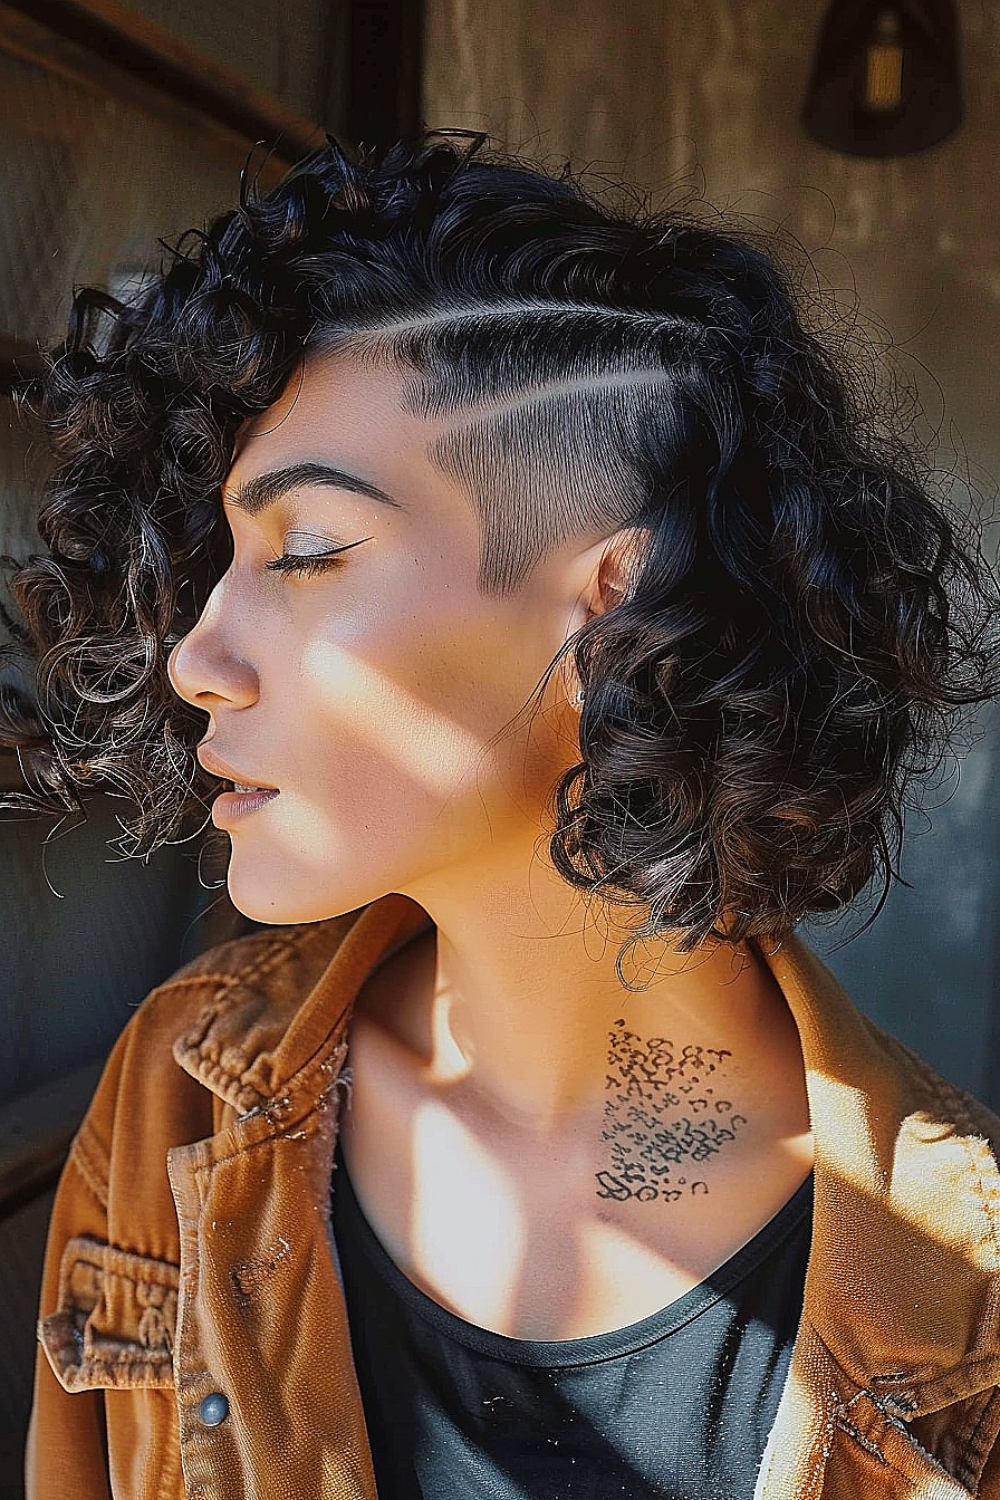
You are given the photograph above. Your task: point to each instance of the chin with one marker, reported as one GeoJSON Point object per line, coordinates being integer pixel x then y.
{"type": "Point", "coordinates": [263, 896]}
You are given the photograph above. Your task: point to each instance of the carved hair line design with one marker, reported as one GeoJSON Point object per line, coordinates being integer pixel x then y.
{"type": "Point", "coordinates": [551, 466]}
{"type": "Point", "coordinates": [548, 436]}
{"type": "Point", "coordinates": [600, 383]}
{"type": "Point", "coordinates": [394, 334]}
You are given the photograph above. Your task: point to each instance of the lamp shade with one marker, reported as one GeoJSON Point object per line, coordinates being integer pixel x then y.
{"type": "Point", "coordinates": [885, 79]}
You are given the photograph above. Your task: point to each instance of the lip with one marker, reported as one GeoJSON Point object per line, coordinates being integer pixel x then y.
{"type": "Point", "coordinates": [230, 806]}
{"type": "Point", "coordinates": [219, 767]}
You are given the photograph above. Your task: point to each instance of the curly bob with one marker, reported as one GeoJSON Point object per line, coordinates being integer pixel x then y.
{"type": "Point", "coordinates": [799, 632]}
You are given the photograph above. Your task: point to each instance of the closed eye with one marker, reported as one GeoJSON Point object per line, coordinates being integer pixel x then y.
{"type": "Point", "coordinates": [304, 564]}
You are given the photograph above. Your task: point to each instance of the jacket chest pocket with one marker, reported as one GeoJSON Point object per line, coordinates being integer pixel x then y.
{"type": "Point", "coordinates": [115, 1323]}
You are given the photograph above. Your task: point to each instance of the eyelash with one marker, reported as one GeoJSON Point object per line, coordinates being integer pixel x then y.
{"type": "Point", "coordinates": [303, 565]}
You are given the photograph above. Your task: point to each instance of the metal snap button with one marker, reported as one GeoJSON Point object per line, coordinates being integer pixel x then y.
{"type": "Point", "coordinates": [213, 1409]}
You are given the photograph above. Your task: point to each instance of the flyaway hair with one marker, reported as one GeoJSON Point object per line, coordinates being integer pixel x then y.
{"type": "Point", "coordinates": [801, 631]}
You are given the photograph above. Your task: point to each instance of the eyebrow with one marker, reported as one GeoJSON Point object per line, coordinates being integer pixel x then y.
{"type": "Point", "coordinates": [261, 491]}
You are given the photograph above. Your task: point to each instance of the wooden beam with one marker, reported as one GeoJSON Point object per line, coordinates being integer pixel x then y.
{"type": "Point", "coordinates": [116, 38]}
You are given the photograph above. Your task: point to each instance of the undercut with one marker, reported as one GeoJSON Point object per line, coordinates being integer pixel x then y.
{"type": "Point", "coordinates": [556, 416]}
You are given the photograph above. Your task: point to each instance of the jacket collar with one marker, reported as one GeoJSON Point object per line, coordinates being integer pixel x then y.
{"type": "Point", "coordinates": [902, 1285]}
{"type": "Point", "coordinates": [274, 1014]}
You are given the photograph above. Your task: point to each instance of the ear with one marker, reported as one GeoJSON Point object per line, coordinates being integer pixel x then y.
{"type": "Point", "coordinates": [617, 563]}
{"type": "Point", "coordinates": [600, 575]}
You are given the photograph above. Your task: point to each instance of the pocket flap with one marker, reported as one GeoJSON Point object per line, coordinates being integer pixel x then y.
{"type": "Point", "coordinates": [114, 1326]}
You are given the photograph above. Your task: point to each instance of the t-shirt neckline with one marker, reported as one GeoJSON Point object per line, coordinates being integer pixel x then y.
{"type": "Point", "coordinates": [591, 1348]}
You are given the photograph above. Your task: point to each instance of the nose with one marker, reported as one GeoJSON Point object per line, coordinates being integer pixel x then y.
{"type": "Point", "coordinates": [203, 672]}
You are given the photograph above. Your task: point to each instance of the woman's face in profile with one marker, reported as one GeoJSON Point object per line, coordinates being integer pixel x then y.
{"type": "Point", "coordinates": [370, 693]}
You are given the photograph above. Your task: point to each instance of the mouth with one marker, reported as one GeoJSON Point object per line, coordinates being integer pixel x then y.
{"type": "Point", "coordinates": [217, 767]}
{"type": "Point", "coordinates": [241, 802]}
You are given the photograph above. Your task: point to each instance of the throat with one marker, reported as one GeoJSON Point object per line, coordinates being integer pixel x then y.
{"type": "Point", "coordinates": [596, 1222]}
{"type": "Point", "coordinates": [549, 1175]}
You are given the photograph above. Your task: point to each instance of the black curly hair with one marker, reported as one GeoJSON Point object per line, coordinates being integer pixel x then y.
{"type": "Point", "coordinates": [800, 631]}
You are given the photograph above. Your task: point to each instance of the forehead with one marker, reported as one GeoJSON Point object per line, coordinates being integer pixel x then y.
{"type": "Point", "coordinates": [339, 410]}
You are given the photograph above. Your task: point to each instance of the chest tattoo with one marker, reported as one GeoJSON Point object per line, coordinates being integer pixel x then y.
{"type": "Point", "coordinates": [665, 1116]}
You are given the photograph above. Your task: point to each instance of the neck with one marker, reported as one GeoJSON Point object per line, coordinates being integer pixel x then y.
{"type": "Point", "coordinates": [515, 996]}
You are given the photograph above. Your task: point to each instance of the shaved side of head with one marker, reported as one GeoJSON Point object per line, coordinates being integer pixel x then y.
{"type": "Point", "coordinates": [544, 414]}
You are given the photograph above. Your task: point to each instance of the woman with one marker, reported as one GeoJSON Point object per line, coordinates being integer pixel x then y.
{"type": "Point", "coordinates": [499, 549]}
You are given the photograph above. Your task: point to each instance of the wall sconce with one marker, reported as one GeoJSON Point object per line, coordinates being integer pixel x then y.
{"type": "Point", "coordinates": [885, 78]}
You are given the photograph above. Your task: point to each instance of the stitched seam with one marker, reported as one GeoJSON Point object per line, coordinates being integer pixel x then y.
{"type": "Point", "coordinates": [971, 1418]}
{"type": "Point", "coordinates": [275, 951]}
{"type": "Point", "coordinates": [918, 1447]}
{"type": "Point", "coordinates": [977, 1449]}
{"type": "Point", "coordinates": [170, 1461]}
{"type": "Point", "coordinates": [897, 1425]}
{"type": "Point", "coordinates": [111, 1362]}
{"type": "Point", "coordinates": [130, 1265]}
{"type": "Point", "coordinates": [924, 1383]}
{"type": "Point", "coordinates": [271, 956]}
{"type": "Point", "coordinates": [973, 1434]}
{"type": "Point", "coordinates": [911, 1437]}
{"type": "Point", "coordinates": [193, 981]}
{"type": "Point", "coordinates": [840, 1409]}
{"type": "Point", "coordinates": [317, 1106]}
{"type": "Point", "coordinates": [832, 1406]}
{"type": "Point", "coordinates": [332, 1045]}
{"type": "Point", "coordinates": [203, 1173]}
{"type": "Point", "coordinates": [863, 1442]}
{"type": "Point", "coordinates": [274, 948]}
{"type": "Point", "coordinates": [216, 1077]}
{"type": "Point", "coordinates": [92, 1177]}
{"type": "Point", "coordinates": [820, 1459]}
{"type": "Point", "coordinates": [168, 1277]}
{"type": "Point", "coordinates": [960, 1437]}
{"type": "Point", "coordinates": [310, 1119]}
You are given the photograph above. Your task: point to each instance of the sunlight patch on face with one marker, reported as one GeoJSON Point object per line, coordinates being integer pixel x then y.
{"type": "Point", "coordinates": [379, 715]}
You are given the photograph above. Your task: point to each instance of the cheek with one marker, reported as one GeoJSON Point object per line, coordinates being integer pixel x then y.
{"type": "Point", "coordinates": [382, 723]}
{"type": "Point", "coordinates": [383, 729]}
{"type": "Point", "coordinates": [399, 755]}
{"type": "Point", "coordinates": [381, 787]}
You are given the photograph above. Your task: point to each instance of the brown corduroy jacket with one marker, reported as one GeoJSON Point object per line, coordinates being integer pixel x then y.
{"type": "Point", "coordinates": [193, 1335]}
